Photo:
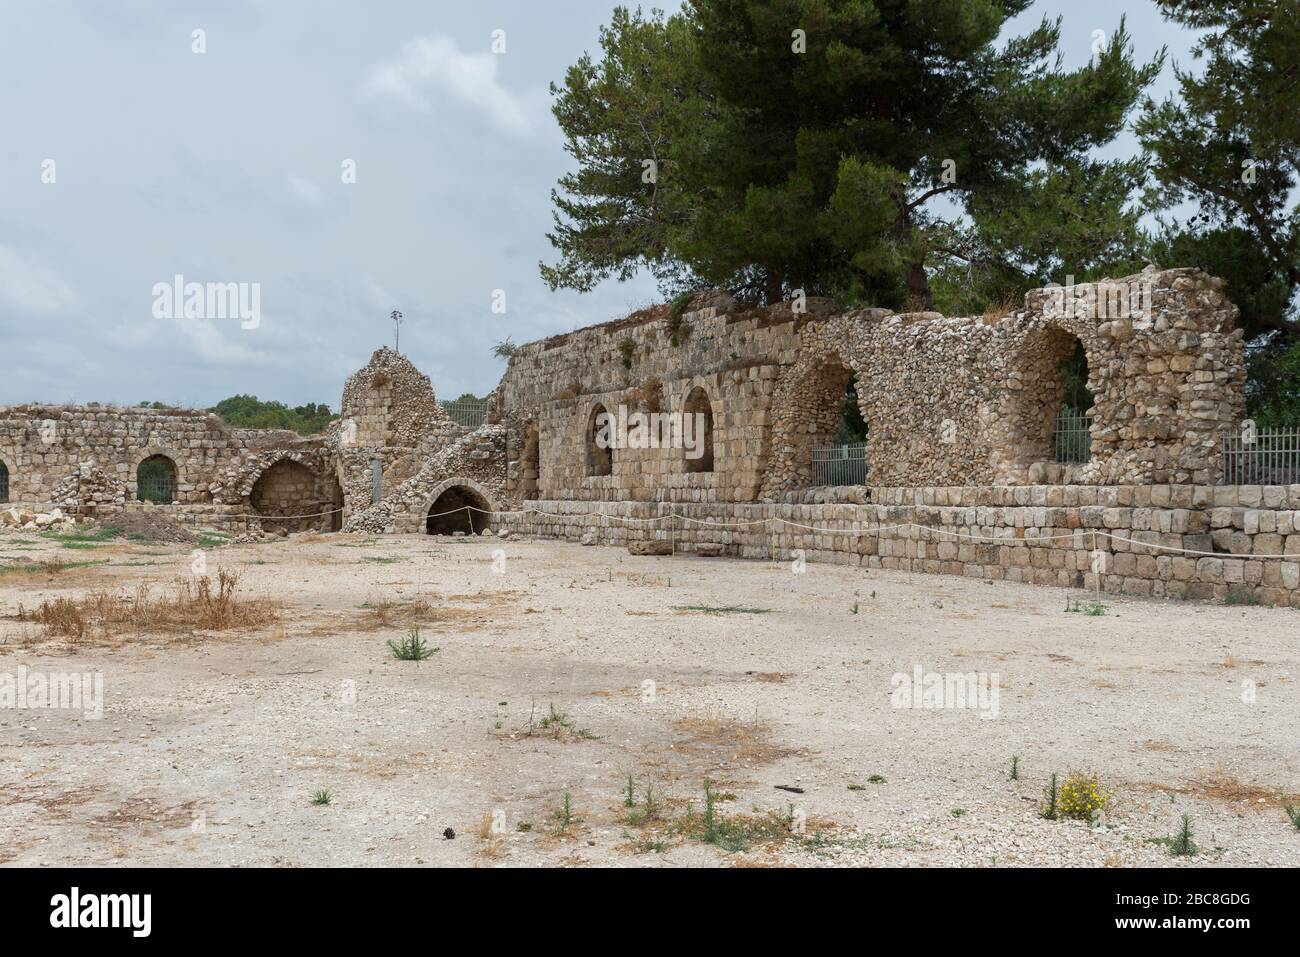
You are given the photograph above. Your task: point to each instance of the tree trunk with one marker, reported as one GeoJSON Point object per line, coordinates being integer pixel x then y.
{"type": "Point", "coordinates": [773, 286]}
{"type": "Point", "coordinates": [918, 289]}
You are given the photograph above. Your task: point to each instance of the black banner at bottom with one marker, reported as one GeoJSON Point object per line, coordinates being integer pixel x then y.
{"type": "Point", "coordinates": [332, 906]}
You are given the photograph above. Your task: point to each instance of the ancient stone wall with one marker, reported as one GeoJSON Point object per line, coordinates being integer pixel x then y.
{"type": "Point", "coordinates": [1176, 541]}
{"type": "Point", "coordinates": [967, 400]}
{"type": "Point", "coordinates": [86, 459]}
{"type": "Point", "coordinates": [475, 462]}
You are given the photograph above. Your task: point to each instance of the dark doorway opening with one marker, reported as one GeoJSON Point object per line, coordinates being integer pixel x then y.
{"type": "Point", "coordinates": [458, 509]}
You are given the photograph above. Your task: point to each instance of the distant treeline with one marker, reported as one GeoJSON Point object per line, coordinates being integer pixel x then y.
{"type": "Point", "coordinates": [250, 412]}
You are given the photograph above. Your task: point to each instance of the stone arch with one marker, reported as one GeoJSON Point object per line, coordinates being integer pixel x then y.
{"type": "Point", "coordinates": [289, 496]}
{"type": "Point", "coordinates": [600, 461]}
{"type": "Point", "coordinates": [157, 478]}
{"type": "Point", "coordinates": [8, 477]}
{"type": "Point", "coordinates": [807, 408]}
{"type": "Point", "coordinates": [445, 511]}
{"type": "Point", "coordinates": [698, 402]}
{"type": "Point", "coordinates": [149, 452]}
{"type": "Point", "coordinates": [1037, 436]}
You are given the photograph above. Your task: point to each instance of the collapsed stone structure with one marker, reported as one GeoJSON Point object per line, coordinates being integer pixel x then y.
{"type": "Point", "coordinates": [960, 471]}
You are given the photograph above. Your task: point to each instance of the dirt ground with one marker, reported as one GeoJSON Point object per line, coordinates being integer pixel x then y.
{"type": "Point", "coordinates": [563, 670]}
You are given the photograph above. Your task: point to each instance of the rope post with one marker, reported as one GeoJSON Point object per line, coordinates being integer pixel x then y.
{"type": "Point", "coordinates": [469, 519]}
{"type": "Point", "coordinates": [1096, 573]}
{"type": "Point", "coordinates": [672, 525]}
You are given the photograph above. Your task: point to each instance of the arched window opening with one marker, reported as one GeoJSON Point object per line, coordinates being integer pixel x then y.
{"type": "Point", "coordinates": [600, 453]}
{"type": "Point", "coordinates": [839, 451]}
{"type": "Point", "coordinates": [700, 410]}
{"type": "Point", "coordinates": [155, 480]}
{"type": "Point", "coordinates": [1072, 428]}
{"type": "Point", "coordinates": [458, 509]}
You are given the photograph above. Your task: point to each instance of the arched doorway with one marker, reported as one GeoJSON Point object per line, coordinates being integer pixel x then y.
{"type": "Point", "coordinates": [830, 430]}
{"type": "Point", "coordinates": [155, 480]}
{"type": "Point", "coordinates": [600, 453]}
{"type": "Point", "coordinates": [1053, 414]}
{"type": "Point", "coordinates": [458, 509]}
{"type": "Point", "coordinates": [287, 497]}
{"type": "Point", "coordinates": [700, 409]}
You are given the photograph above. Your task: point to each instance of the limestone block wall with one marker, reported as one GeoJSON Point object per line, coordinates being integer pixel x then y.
{"type": "Point", "coordinates": [1175, 541]}
{"type": "Point", "coordinates": [946, 401]}
{"type": "Point", "coordinates": [49, 450]}
{"type": "Point", "coordinates": [84, 459]}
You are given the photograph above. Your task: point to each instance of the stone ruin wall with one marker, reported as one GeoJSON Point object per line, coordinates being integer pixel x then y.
{"type": "Point", "coordinates": [959, 411]}
{"type": "Point", "coordinates": [966, 401]}
{"type": "Point", "coordinates": [1242, 538]}
{"type": "Point", "coordinates": [84, 460]}
{"type": "Point", "coordinates": [389, 414]}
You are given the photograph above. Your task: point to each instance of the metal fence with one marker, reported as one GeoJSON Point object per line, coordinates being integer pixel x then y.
{"type": "Point", "coordinates": [1072, 439]}
{"type": "Point", "coordinates": [1261, 457]}
{"type": "Point", "coordinates": [471, 413]}
{"type": "Point", "coordinates": [840, 464]}
{"type": "Point", "coordinates": [156, 480]}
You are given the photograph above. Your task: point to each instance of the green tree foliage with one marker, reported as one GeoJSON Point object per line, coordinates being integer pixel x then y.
{"type": "Point", "coordinates": [250, 412]}
{"type": "Point", "coordinates": [854, 148]}
{"type": "Point", "coordinates": [1231, 143]}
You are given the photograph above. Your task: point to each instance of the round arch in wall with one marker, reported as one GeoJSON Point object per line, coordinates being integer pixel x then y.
{"type": "Point", "coordinates": [456, 504]}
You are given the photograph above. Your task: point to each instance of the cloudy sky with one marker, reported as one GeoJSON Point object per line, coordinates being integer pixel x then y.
{"type": "Point", "coordinates": [227, 166]}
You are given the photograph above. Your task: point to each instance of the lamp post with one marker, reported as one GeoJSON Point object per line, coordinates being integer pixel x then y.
{"type": "Point", "coordinates": [397, 330]}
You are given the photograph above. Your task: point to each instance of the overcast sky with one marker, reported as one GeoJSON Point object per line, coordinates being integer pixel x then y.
{"type": "Point", "coordinates": [227, 166]}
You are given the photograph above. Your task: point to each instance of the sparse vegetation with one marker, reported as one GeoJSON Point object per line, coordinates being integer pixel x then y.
{"type": "Point", "coordinates": [1242, 595]}
{"type": "Point", "coordinates": [412, 647]}
{"type": "Point", "coordinates": [321, 798]}
{"type": "Point", "coordinates": [1182, 843]}
{"type": "Point", "coordinates": [564, 815]}
{"type": "Point", "coordinates": [1293, 814]}
{"type": "Point", "coordinates": [505, 349]}
{"type": "Point", "coordinates": [1015, 767]}
{"type": "Point", "coordinates": [1092, 607]}
{"type": "Point", "coordinates": [1081, 797]}
{"type": "Point", "coordinates": [191, 604]}
{"type": "Point", "coordinates": [722, 609]}
{"type": "Point", "coordinates": [1051, 799]}
{"type": "Point", "coordinates": [626, 350]}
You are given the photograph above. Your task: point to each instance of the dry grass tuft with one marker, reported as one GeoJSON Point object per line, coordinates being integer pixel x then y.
{"type": "Point", "coordinates": [996, 311]}
{"type": "Point", "coordinates": [723, 741]}
{"type": "Point", "coordinates": [1227, 789]}
{"type": "Point", "coordinates": [384, 612]}
{"type": "Point", "coordinates": [190, 604]}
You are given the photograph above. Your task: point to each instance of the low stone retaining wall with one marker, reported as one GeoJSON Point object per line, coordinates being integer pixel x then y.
{"type": "Point", "coordinates": [1177, 541]}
